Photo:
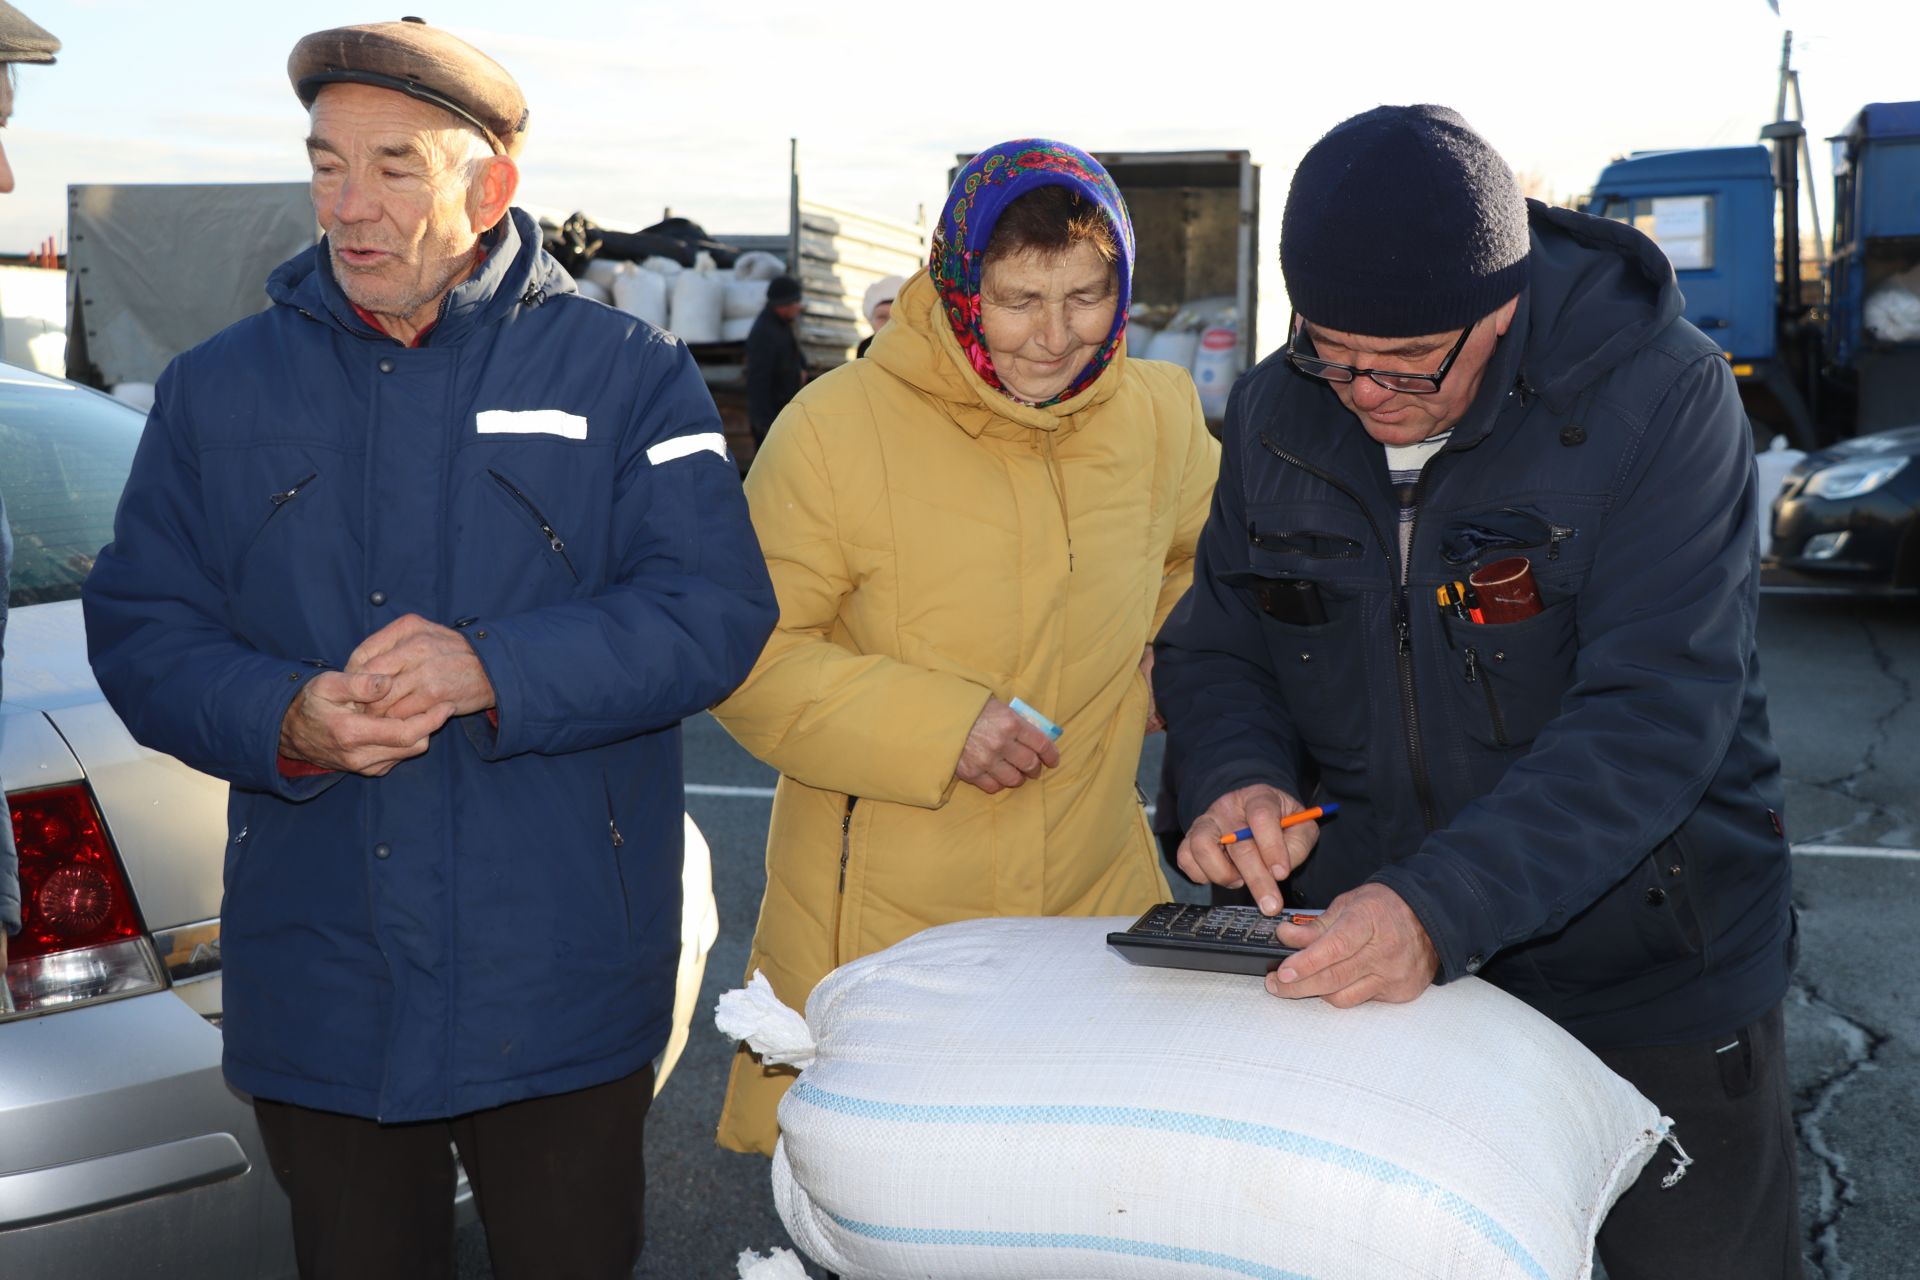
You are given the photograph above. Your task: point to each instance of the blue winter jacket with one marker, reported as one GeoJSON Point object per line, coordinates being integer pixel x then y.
{"type": "Point", "coordinates": [1581, 807]}
{"type": "Point", "coordinates": [498, 918]}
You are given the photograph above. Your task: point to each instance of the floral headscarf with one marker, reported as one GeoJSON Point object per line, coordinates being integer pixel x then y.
{"type": "Point", "coordinates": [992, 180]}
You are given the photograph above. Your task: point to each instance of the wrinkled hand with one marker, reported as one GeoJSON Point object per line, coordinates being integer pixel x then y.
{"type": "Point", "coordinates": [1155, 721]}
{"type": "Point", "coordinates": [1260, 863]}
{"type": "Point", "coordinates": [429, 665]}
{"type": "Point", "coordinates": [330, 724]}
{"type": "Point", "coordinates": [1367, 946]}
{"type": "Point", "coordinates": [1002, 750]}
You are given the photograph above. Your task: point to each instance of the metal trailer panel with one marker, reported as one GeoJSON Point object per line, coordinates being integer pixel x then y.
{"type": "Point", "coordinates": [836, 253]}
{"type": "Point", "coordinates": [157, 268]}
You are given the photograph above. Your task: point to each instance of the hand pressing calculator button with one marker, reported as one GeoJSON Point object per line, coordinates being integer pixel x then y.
{"type": "Point", "coordinates": [1220, 939]}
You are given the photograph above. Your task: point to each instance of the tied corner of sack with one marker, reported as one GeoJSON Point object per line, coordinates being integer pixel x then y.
{"type": "Point", "coordinates": [755, 1015]}
{"type": "Point", "coordinates": [780, 1264]}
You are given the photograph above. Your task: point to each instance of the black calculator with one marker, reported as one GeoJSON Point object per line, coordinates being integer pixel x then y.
{"type": "Point", "coordinates": [1178, 935]}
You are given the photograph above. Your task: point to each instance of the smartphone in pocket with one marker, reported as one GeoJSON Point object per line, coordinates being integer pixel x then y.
{"type": "Point", "coordinates": [1294, 601]}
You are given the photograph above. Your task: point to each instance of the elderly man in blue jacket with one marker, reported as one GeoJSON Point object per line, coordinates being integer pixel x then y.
{"type": "Point", "coordinates": [429, 560]}
{"type": "Point", "coordinates": [1581, 805]}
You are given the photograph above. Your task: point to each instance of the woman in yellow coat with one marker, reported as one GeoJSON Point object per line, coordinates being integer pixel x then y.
{"type": "Point", "coordinates": [996, 504]}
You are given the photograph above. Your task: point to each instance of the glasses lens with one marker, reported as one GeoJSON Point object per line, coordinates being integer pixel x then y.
{"type": "Point", "coordinates": [1317, 368]}
{"type": "Point", "coordinates": [1413, 384]}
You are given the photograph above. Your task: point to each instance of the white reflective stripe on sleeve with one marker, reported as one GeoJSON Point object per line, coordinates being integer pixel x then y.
{"type": "Point", "coordinates": [682, 446]}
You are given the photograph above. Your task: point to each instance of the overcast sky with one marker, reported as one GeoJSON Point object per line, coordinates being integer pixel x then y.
{"type": "Point", "coordinates": [640, 106]}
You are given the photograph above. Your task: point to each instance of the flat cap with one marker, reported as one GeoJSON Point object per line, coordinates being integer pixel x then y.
{"type": "Point", "coordinates": [22, 39]}
{"type": "Point", "coordinates": [422, 62]}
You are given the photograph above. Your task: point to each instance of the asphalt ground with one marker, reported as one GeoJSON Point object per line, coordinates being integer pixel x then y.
{"type": "Point", "coordinates": [1842, 678]}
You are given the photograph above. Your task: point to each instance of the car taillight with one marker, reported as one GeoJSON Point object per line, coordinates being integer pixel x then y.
{"type": "Point", "coordinates": [81, 938]}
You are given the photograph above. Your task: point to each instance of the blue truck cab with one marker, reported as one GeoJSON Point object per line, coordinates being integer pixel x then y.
{"type": "Point", "coordinates": [1876, 236]}
{"type": "Point", "coordinates": [1807, 361]}
{"type": "Point", "coordinates": [1712, 212]}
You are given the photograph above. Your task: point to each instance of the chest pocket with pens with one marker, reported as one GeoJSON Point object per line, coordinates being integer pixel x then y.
{"type": "Point", "coordinates": [1511, 653]}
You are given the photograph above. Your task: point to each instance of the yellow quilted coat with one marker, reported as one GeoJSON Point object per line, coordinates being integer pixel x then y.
{"type": "Point", "coordinates": [933, 542]}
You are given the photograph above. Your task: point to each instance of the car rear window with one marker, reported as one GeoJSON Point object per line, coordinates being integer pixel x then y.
{"type": "Point", "coordinates": [64, 457]}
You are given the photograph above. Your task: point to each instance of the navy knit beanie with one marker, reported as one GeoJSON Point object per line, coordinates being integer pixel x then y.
{"type": "Point", "coordinates": [1401, 222]}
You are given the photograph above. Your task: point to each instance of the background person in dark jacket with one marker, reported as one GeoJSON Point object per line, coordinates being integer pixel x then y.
{"type": "Point", "coordinates": [429, 560]}
{"type": "Point", "coordinates": [776, 367]}
{"type": "Point", "coordinates": [1580, 807]}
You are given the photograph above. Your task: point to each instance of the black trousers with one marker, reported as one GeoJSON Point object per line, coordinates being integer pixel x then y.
{"type": "Point", "coordinates": [558, 1182]}
{"type": "Point", "coordinates": [1736, 1213]}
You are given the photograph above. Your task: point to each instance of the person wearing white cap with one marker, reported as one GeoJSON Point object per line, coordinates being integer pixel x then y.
{"type": "Point", "coordinates": [877, 306]}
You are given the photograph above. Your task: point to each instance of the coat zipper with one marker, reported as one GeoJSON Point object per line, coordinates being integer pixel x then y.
{"type": "Point", "coordinates": [282, 499]}
{"type": "Point", "coordinates": [840, 893]}
{"type": "Point", "coordinates": [553, 539]}
{"type": "Point", "coordinates": [1402, 622]}
{"type": "Point", "coordinates": [1493, 702]}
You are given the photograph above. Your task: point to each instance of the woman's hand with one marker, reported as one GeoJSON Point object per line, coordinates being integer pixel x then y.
{"type": "Point", "coordinates": [1003, 751]}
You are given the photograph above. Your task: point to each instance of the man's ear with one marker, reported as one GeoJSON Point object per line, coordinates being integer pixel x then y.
{"type": "Point", "coordinates": [1503, 318]}
{"type": "Point", "coordinates": [489, 199]}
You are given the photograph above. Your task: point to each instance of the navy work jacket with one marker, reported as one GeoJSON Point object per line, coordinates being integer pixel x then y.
{"type": "Point", "coordinates": [498, 918]}
{"type": "Point", "coordinates": [1581, 807]}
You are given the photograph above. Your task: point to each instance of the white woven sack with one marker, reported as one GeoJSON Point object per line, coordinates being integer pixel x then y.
{"type": "Point", "coordinates": [1009, 1098]}
{"type": "Point", "coordinates": [745, 299]}
{"type": "Point", "coordinates": [758, 265]}
{"type": "Point", "coordinates": [643, 294]}
{"type": "Point", "coordinates": [695, 300]}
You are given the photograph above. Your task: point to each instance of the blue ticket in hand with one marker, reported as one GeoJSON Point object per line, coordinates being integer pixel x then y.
{"type": "Point", "coordinates": [1034, 718]}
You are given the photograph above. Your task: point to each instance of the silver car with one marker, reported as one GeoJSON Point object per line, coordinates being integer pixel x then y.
{"type": "Point", "coordinates": [122, 1149]}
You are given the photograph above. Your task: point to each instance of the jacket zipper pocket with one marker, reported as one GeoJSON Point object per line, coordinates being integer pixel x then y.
{"type": "Point", "coordinates": [1402, 619]}
{"type": "Point", "coordinates": [1493, 701]}
{"type": "Point", "coordinates": [282, 498]}
{"type": "Point", "coordinates": [277, 502]}
{"type": "Point", "coordinates": [546, 528]}
{"type": "Point", "coordinates": [619, 872]}
{"type": "Point", "coordinates": [840, 891]}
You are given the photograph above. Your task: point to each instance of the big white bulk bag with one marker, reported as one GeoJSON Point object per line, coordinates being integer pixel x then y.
{"type": "Point", "coordinates": [745, 299]}
{"type": "Point", "coordinates": [1216, 363]}
{"type": "Point", "coordinates": [588, 288]}
{"type": "Point", "coordinates": [695, 301]}
{"type": "Point", "coordinates": [1892, 312]}
{"type": "Point", "coordinates": [756, 264]}
{"type": "Point", "coordinates": [1010, 1098]}
{"type": "Point", "coordinates": [603, 271]}
{"type": "Point", "coordinates": [1173, 347]}
{"type": "Point", "coordinates": [643, 294]}
{"type": "Point", "coordinates": [737, 329]}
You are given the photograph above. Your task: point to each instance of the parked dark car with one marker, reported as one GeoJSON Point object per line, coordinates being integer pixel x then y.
{"type": "Point", "coordinates": [1849, 516]}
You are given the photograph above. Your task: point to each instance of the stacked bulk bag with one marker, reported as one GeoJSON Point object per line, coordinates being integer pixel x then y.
{"type": "Point", "coordinates": [1011, 1098]}
{"type": "Point", "coordinates": [696, 303]}
{"type": "Point", "coordinates": [642, 293]}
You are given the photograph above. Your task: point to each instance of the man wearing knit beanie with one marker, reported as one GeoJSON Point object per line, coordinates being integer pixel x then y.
{"type": "Point", "coordinates": [1564, 785]}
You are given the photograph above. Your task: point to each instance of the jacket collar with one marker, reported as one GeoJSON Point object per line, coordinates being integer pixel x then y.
{"type": "Point", "coordinates": [516, 271]}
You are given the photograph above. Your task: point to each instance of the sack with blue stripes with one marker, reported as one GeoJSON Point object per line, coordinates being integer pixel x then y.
{"type": "Point", "coordinates": [1009, 1098]}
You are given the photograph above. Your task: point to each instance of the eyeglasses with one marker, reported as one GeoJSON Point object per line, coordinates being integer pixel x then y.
{"type": "Point", "coordinates": [1413, 384]}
